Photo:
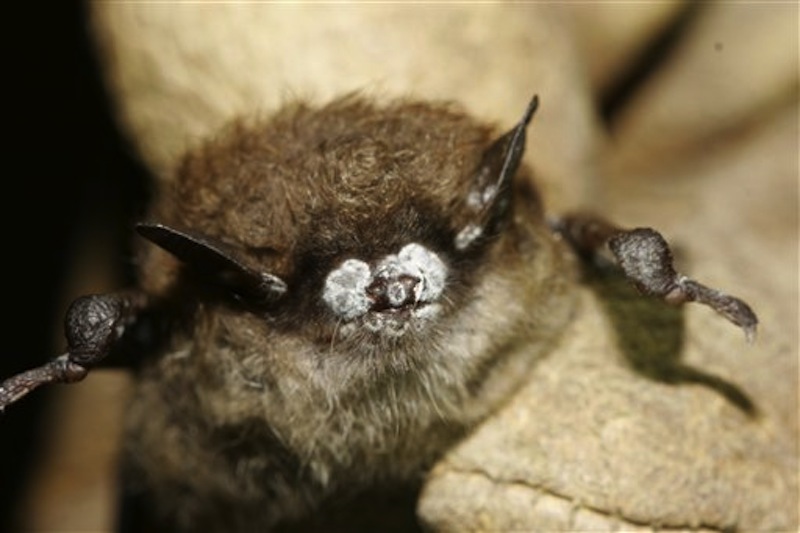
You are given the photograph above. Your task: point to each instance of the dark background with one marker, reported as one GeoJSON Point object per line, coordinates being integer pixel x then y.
{"type": "Point", "coordinates": [67, 170]}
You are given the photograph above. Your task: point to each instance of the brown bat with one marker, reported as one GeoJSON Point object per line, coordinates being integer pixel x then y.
{"type": "Point", "coordinates": [335, 296]}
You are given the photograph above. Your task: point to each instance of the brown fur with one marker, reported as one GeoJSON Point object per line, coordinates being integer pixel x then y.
{"type": "Point", "coordinates": [251, 418]}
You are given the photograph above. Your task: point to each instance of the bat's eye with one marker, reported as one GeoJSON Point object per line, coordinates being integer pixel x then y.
{"type": "Point", "coordinates": [391, 292]}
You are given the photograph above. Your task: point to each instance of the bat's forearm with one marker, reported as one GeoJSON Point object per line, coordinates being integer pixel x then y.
{"type": "Point", "coordinates": [646, 259]}
{"type": "Point", "coordinates": [93, 326]}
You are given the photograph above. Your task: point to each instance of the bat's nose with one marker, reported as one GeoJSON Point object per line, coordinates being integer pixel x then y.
{"type": "Point", "coordinates": [393, 292]}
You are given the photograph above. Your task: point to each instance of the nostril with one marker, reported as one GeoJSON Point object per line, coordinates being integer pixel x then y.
{"type": "Point", "coordinates": [393, 292]}
{"type": "Point", "coordinates": [401, 290]}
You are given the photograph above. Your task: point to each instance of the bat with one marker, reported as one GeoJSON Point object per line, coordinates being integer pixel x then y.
{"type": "Point", "coordinates": [331, 297]}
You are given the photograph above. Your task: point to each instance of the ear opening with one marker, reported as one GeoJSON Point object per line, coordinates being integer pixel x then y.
{"type": "Point", "coordinates": [489, 198]}
{"type": "Point", "coordinates": [221, 264]}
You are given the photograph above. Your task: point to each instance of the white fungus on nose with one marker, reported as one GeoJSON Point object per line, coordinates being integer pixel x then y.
{"type": "Point", "coordinates": [425, 265]}
{"type": "Point", "coordinates": [346, 287]}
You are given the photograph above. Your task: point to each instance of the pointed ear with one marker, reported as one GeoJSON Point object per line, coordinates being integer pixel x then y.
{"type": "Point", "coordinates": [489, 197]}
{"type": "Point", "coordinates": [217, 261]}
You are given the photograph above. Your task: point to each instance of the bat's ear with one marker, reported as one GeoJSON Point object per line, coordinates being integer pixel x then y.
{"type": "Point", "coordinates": [489, 197]}
{"type": "Point", "coordinates": [216, 261]}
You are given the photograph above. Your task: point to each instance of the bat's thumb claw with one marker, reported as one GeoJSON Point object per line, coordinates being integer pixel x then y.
{"type": "Point", "coordinates": [742, 315]}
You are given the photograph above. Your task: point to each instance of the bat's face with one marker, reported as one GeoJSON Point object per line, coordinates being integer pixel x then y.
{"type": "Point", "coordinates": [388, 296]}
{"type": "Point", "coordinates": [357, 226]}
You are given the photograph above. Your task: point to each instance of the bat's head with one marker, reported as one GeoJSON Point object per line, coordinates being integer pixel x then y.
{"type": "Point", "coordinates": [356, 225]}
